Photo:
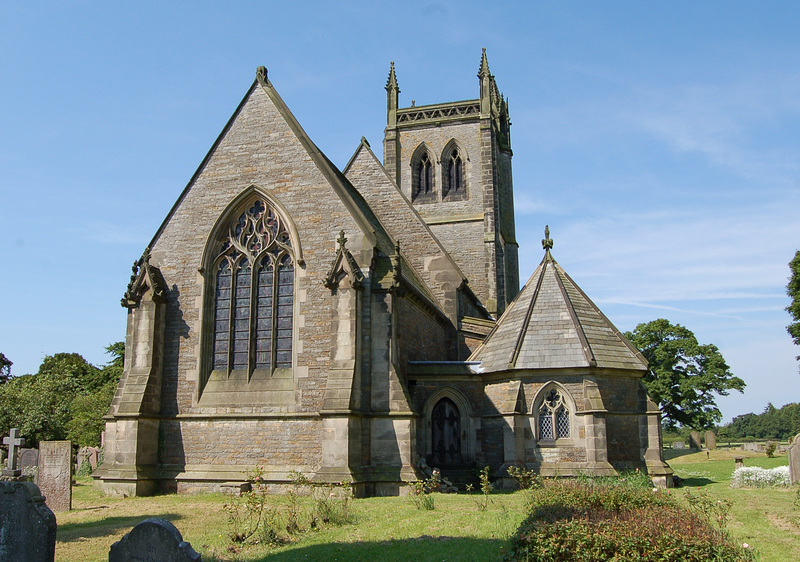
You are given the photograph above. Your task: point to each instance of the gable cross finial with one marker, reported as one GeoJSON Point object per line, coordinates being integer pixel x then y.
{"type": "Point", "coordinates": [547, 242]}
{"type": "Point", "coordinates": [342, 239]}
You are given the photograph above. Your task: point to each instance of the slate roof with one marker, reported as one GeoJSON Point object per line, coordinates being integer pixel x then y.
{"type": "Point", "coordinates": [553, 324]}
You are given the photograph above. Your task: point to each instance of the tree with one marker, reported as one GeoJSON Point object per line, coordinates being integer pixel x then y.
{"type": "Point", "coordinates": [66, 399]}
{"type": "Point", "coordinates": [5, 368]}
{"type": "Point", "coordinates": [793, 290]}
{"type": "Point", "coordinates": [684, 377]}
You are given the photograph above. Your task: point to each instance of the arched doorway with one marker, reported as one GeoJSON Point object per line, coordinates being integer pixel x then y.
{"type": "Point", "coordinates": [445, 434]}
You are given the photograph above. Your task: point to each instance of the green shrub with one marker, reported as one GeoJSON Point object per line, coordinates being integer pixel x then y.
{"type": "Point", "coordinates": [615, 520]}
{"type": "Point", "coordinates": [422, 492]}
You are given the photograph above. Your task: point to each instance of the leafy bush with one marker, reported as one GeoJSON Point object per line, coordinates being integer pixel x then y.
{"type": "Point", "coordinates": [615, 520]}
{"type": "Point", "coordinates": [756, 477]}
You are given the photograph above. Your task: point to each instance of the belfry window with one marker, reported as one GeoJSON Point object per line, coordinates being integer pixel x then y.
{"type": "Point", "coordinates": [453, 180]}
{"type": "Point", "coordinates": [423, 189]}
{"type": "Point", "coordinates": [254, 294]}
{"type": "Point", "coordinates": [554, 419]}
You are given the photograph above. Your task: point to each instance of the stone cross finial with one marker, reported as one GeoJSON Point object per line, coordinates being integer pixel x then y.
{"type": "Point", "coordinates": [342, 239]}
{"type": "Point", "coordinates": [547, 242]}
{"type": "Point", "coordinates": [13, 441]}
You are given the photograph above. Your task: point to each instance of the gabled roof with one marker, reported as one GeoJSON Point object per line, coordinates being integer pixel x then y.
{"type": "Point", "coordinates": [553, 324]}
{"type": "Point", "coordinates": [419, 245]}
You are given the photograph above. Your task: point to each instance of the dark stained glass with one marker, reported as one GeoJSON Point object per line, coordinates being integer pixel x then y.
{"type": "Point", "coordinates": [263, 336]}
{"type": "Point", "coordinates": [241, 317]}
{"type": "Point", "coordinates": [254, 305]}
{"type": "Point", "coordinates": [222, 312]}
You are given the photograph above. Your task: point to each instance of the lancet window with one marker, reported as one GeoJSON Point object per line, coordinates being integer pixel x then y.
{"type": "Point", "coordinates": [454, 183]}
{"type": "Point", "coordinates": [554, 418]}
{"type": "Point", "coordinates": [254, 293]}
{"type": "Point", "coordinates": [422, 181]}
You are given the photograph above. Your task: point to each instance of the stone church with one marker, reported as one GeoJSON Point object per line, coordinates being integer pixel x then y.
{"type": "Point", "coordinates": [350, 323]}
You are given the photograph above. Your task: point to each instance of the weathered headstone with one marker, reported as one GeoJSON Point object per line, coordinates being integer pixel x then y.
{"type": "Point", "coordinates": [711, 440]}
{"type": "Point", "coordinates": [28, 461]}
{"type": "Point", "coordinates": [754, 447]}
{"type": "Point", "coordinates": [694, 440]}
{"type": "Point", "coordinates": [88, 455]}
{"type": "Point", "coordinates": [27, 525]}
{"type": "Point", "coordinates": [14, 441]}
{"type": "Point", "coordinates": [679, 445]}
{"type": "Point", "coordinates": [55, 474]}
{"type": "Point", "coordinates": [154, 540]}
{"type": "Point", "coordinates": [794, 461]}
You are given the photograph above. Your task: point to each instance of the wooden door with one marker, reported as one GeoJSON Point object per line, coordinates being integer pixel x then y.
{"type": "Point", "coordinates": [445, 434]}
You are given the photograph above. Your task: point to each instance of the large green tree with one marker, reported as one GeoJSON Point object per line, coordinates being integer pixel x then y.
{"type": "Point", "coordinates": [684, 377]}
{"type": "Point", "coordinates": [793, 290]}
{"type": "Point", "coordinates": [66, 399]}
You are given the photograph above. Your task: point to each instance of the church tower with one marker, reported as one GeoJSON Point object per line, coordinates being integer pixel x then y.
{"type": "Point", "coordinates": [453, 162]}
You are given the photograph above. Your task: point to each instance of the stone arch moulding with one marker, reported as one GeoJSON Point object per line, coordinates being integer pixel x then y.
{"type": "Point", "coordinates": [570, 404]}
{"type": "Point", "coordinates": [447, 188]}
{"type": "Point", "coordinates": [465, 418]}
{"type": "Point", "coordinates": [416, 195]}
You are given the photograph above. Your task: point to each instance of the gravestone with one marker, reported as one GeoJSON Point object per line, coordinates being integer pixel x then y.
{"type": "Point", "coordinates": [27, 525]}
{"type": "Point", "coordinates": [679, 445]}
{"type": "Point", "coordinates": [754, 447]}
{"type": "Point", "coordinates": [14, 441]}
{"type": "Point", "coordinates": [794, 462]}
{"type": "Point", "coordinates": [55, 474]}
{"type": "Point", "coordinates": [711, 440]}
{"type": "Point", "coordinates": [694, 440]}
{"type": "Point", "coordinates": [154, 540]}
{"type": "Point", "coordinates": [29, 459]}
{"type": "Point", "coordinates": [88, 455]}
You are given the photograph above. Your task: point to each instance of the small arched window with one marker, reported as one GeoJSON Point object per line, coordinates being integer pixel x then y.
{"type": "Point", "coordinates": [254, 294]}
{"type": "Point", "coordinates": [554, 417]}
{"type": "Point", "coordinates": [453, 178]}
{"type": "Point", "coordinates": [423, 189]}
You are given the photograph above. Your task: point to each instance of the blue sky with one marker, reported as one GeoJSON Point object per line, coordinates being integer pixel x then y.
{"type": "Point", "coordinates": [658, 140]}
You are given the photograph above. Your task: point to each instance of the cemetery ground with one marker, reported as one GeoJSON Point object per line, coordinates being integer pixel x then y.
{"type": "Point", "coordinates": [392, 528]}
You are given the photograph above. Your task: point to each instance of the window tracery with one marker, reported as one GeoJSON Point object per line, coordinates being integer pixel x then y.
{"type": "Point", "coordinates": [254, 293]}
{"type": "Point", "coordinates": [554, 417]}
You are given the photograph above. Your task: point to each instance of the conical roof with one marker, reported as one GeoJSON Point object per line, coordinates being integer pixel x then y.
{"type": "Point", "coordinates": [553, 324]}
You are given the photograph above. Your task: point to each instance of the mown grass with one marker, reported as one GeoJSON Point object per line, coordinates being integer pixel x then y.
{"type": "Point", "coordinates": [768, 519]}
{"type": "Point", "coordinates": [393, 529]}
{"type": "Point", "coordinates": [384, 529]}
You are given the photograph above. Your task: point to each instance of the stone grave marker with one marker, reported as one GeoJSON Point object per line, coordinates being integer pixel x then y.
{"type": "Point", "coordinates": [27, 525]}
{"type": "Point", "coordinates": [711, 440]}
{"type": "Point", "coordinates": [88, 455]}
{"type": "Point", "coordinates": [154, 540]}
{"type": "Point", "coordinates": [28, 459]}
{"type": "Point", "coordinates": [794, 461]}
{"type": "Point", "coordinates": [55, 474]}
{"type": "Point", "coordinates": [679, 445]}
{"type": "Point", "coordinates": [694, 440]}
{"type": "Point", "coordinates": [14, 442]}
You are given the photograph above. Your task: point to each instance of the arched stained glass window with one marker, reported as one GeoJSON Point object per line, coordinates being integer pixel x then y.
{"type": "Point", "coordinates": [554, 418]}
{"type": "Point", "coordinates": [254, 304]}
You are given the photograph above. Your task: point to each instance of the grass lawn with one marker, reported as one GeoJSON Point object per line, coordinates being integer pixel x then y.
{"type": "Point", "coordinates": [389, 529]}
{"type": "Point", "coordinates": [768, 519]}
{"type": "Point", "coordinates": [385, 528]}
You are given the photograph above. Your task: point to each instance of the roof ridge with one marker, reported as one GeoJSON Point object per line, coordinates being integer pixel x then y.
{"type": "Point", "coordinates": [587, 348]}
{"type": "Point", "coordinates": [528, 313]}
